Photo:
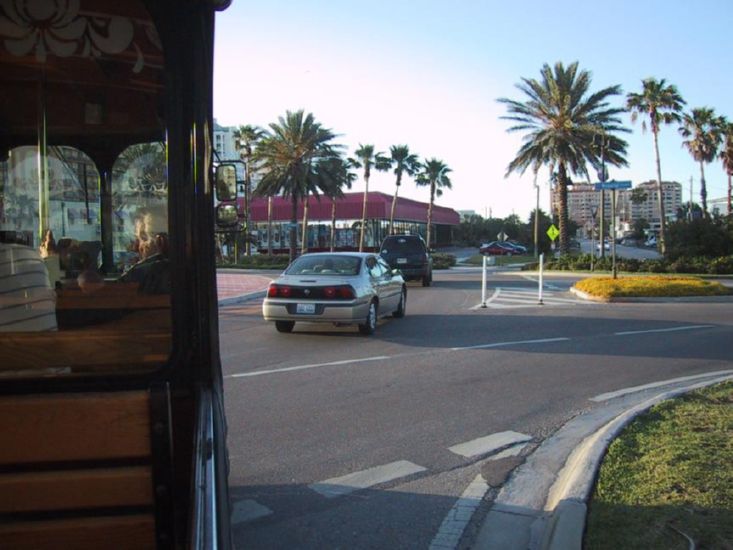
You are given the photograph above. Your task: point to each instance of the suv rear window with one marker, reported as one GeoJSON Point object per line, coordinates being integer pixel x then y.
{"type": "Point", "coordinates": [403, 244]}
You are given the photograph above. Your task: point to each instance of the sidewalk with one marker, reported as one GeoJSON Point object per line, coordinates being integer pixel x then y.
{"type": "Point", "coordinates": [238, 285]}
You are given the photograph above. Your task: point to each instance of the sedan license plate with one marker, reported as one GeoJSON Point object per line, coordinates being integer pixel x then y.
{"type": "Point", "coordinates": [401, 260]}
{"type": "Point", "coordinates": [305, 308]}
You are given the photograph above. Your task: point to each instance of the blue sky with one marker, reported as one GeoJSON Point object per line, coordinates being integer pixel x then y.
{"type": "Point", "coordinates": [428, 73]}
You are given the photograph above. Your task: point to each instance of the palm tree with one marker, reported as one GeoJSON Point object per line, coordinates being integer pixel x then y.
{"type": "Point", "coordinates": [434, 174]}
{"type": "Point", "coordinates": [726, 155]}
{"type": "Point", "coordinates": [702, 130]}
{"type": "Point", "coordinates": [404, 162]}
{"type": "Point", "coordinates": [289, 158]}
{"type": "Point", "coordinates": [245, 141]}
{"type": "Point", "coordinates": [563, 122]}
{"type": "Point", "coordinates": [662, 103]}
{"type": "Point", "coordinates": [366, 158]}
{"type": "Point", "coordinates": [336, 174]}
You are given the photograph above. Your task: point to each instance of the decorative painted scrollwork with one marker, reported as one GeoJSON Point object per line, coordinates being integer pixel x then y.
{"type": "Point", "coordinates": [62, 29]}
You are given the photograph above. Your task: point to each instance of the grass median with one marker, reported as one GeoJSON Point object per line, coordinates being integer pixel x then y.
{"type": "Point", "coordinates": [667, 479]}
{"type": "Point", "coordinates": [650, 286]}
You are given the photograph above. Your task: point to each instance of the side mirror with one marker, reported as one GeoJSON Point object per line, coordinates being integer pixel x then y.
{"type": "Point", "coordinates": [226, 182]}
{"type": "Point", "coordinates": [395, 272]}
{"type": "Point", "coordinates": [227, 215]}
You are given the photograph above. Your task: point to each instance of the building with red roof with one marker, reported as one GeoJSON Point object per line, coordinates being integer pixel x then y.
{"type": "Point", "coordinates": [410, 217]}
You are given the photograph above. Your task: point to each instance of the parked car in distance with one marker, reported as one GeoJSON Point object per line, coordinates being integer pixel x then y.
{"type": "Point", "coordinates": [606, 245]}
{"type": "Point", "coordinates": [409, 254]}
{"type": "Point", "coordinates": [651, 241]}
{"type": "Point", "coordinates": [496, 248]}
{"type": "Point", "coordinates": [342, 288]}
{"type": "Point", "coordinates": [519, 248]}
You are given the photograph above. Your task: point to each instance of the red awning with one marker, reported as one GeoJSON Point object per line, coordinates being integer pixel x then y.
{"type": "Point", "coordinates": [349, 208]}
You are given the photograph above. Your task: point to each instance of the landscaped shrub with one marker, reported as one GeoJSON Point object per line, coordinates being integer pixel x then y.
{"type": "Point", "coordinates": [650, 286]}
{"type": "Point", "coordinates": [441, 260]}
{"type": "Point", "coordinates": [721, 265]}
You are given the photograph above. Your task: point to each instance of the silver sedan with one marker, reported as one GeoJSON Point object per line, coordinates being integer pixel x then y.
{"type": "Point", "coordinates": [338, 287]}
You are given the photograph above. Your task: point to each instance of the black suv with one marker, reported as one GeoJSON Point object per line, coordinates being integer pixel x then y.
{"type": "Point", "coordinates": [409, 254]}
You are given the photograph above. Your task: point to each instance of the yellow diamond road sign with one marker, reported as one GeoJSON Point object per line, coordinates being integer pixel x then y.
{"type": "Point", "coordinates": [553, 232]}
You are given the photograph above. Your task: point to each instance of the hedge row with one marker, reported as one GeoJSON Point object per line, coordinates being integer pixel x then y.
{"type": "Point", "coordinates": [582, 262]}
{"type": "Point", "coordinates": [441, 260]}
{"type": "Point", "coordinates": [650, 286]}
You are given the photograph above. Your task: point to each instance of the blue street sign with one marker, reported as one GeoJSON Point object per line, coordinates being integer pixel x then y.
{"type": "Point", "coordinates": [606, 185]}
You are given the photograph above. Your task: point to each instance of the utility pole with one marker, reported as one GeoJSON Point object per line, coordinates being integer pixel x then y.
{"type": "Point", "coordinates": [536, 217]}
{"type": "Point", "coordinates": [602, 177]}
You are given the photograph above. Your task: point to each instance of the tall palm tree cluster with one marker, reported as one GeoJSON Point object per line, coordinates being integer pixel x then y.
{"type": "Point", "coordinates": [569, 128]}
{"type": "Point", "coordinates": [296, 157]}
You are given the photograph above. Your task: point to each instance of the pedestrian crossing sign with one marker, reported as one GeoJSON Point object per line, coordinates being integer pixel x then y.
{"type": "Point", "coordinates": [553, 232]}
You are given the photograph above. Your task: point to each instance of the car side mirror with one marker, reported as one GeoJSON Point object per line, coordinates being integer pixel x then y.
{"type": "Point", "coordinates": [395, 272]}
{"type": "Point", "coordinates": [226, 182]}
{"type": "Point", "coordinates": [226, 215]}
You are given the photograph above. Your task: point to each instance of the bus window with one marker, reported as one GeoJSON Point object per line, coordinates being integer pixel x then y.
{"type": "Point", "coordinates": [84, 237]}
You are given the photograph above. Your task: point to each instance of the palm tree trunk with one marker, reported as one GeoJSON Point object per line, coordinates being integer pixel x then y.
{"type": "Point", "coordinates": [333, 223]}
{"type": "Point", "coordinates": [363, 215]}
{"type": "Point", "coordinates": [730, 188]}
{"type": "Point", "coordinates": [247, 214]}
{"type": "Point", "coordinates": [394, 202]}
{"type": "Point", "coordinates": [293, 227]}
{"type": "Point", "coordinates": [562, 182]}
{"type": "Point", "coordinates": [660, 200]}
{"type": "Point", "coordinates": [269, 226]}
{"type": "Point", "coordinates": [703, 190]}
{"type": "Point", "coordinates": [430, 215]}
{"type": "Point", "coordinates": [304, 243]}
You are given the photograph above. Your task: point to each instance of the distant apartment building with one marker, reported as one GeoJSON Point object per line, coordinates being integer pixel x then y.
{"type": "Point", "coordinates": [224, 142]}
{"type": "Point", "coordinates": [648, 209]}
{"type": "Point", "coordinates": [719, 206]}
{"type": "Point", "coordinates": [583, 199]}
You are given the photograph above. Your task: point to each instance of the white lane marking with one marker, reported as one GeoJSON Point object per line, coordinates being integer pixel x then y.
{"type": "Point", "coordinates": [339, 486]}
{"type": "Point", "coordinates": [450, 531]}
{"type": "Point", "coordinates": [490, 443]}
{"type": "Point", "coordinates": [534, 280]}
{"type": "Point", "coordinates": [511, 451]}
{"type": "Point", "coordinates": [673, 329]}
{"type": "Point", "coordinates": [490, 299]}
{"type": "Point", "coordinates": [248, 510]}
{"type": "Point", "coordinates": [515, 343]}
{"type": "Point", "coordinates": [634, 389]}
{"type": "Point", "coordinates": [304, 367]}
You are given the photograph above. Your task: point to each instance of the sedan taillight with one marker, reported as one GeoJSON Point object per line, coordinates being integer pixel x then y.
{"type": "Point", "coordinates": [275, 291]}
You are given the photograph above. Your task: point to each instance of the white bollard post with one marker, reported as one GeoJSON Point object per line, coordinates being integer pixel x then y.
{"type": "Point", "coordinates": [483, 284]}
{"type": "Point", "coordinates": [542, 261]}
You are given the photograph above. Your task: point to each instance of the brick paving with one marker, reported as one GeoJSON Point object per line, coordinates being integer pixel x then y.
{"type": "Point", "coordinates": [232, 284]}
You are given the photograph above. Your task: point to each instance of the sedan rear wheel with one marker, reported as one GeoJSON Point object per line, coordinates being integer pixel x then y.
{"type": "Point", "coordinates": [284, 326]}
{"type": "Point", "coordinates": [370, 325]}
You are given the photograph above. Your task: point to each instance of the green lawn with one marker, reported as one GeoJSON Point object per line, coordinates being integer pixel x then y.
{"type": "Point", "coordinates": [670, 472]}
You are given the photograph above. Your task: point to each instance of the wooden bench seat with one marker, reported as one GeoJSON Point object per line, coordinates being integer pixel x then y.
{"type": "Point", "coordinates": [75, 471]}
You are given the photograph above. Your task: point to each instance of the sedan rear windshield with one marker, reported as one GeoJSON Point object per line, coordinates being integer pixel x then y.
{"type": "Point", "coordinates": [325, 265]}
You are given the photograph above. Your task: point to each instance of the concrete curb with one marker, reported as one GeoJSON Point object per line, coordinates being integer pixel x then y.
{"type": "Point", "coordinates": [232, 300]}
{"type": "Point", "coordinates": [639, 299]}
{"type": "Point", "coordinates": [568, 497]}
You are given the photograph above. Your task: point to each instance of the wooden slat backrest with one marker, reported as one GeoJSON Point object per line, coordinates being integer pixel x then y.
{"type": "Point", "coordinates": [119, 532]}
{"type": "Point", "coordinates": [74, 427]}
{"type": "Point", "coordinates": [76, 471]}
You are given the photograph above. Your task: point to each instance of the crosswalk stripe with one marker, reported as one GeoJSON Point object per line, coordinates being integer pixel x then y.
{"type": "Point", "coordinates": [339, 486]}
{"type": "Point", "coordinates": [489, 443]}
{"type": "Point", "coordinates": [451, 530]}
{"type": "Point", "coordinates": [248, 510]}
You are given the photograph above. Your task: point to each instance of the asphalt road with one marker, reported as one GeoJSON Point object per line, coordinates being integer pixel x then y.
{"type": "Point", "coordinates": [343, 441]}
